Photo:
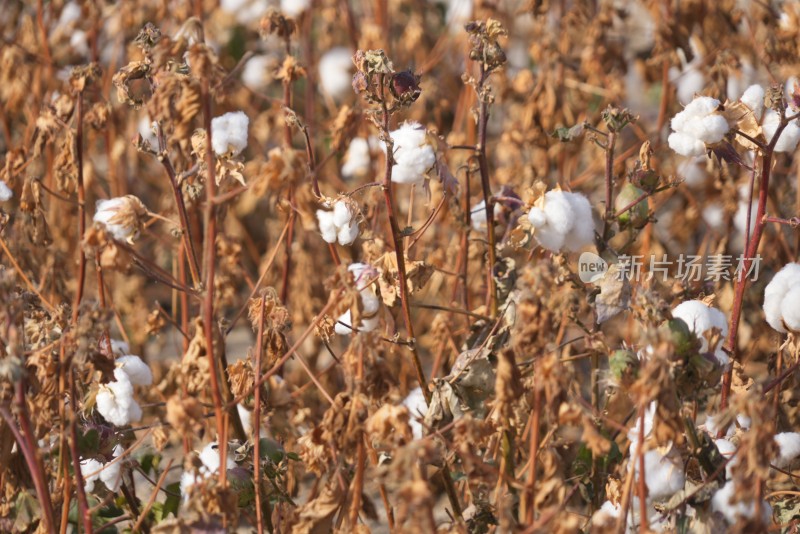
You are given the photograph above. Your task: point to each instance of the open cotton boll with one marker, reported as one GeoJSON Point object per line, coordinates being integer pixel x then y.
{"type": "Point", "coordinates": [790, 309]}
{"type": "Point", "coordinates": [209, 456]}
{"type": "Point", "coordinates": [649, 417]}
{"type": "Point", "coordinates": [138, 372]}
{"type": "Point", "coordinates": [357, 160]}
{"type": "Point", "coordinates": [413, 156]}
{"type": "Point", "coordinates": [340, 225]}
{"type": "Point", "coordinates": [789, 446]}
{"type": "Point", "coordinates": [417, 407]}
{"type": "Point", "coordinates": [565, 221]}
{"type": "Point", "coordinates": [336, 72]}
{"type": "Point", "coordinates": [663, 473]}
{"type": "Point", "coordinates": [5, 192]}
{"type": "Point", "coordinates": [753, 98]}
{"type": "Point", "coordinates": [722, 502]}
{"type": "Point", "coordinates": [245, 11]}
{"type": "Point", "coordinates": [477, 216]}
{"type": "Point", "coordinates": [229, 133]}
{"type": "Point", "coordinates": [605, 513]}
{"type": "Point", "coordinates": [119, 347]}
{"type": "Point", "coordinates": [790, 136]}
{"type": "Point", "coordinates": [121, 216]}
{"type": "Point", "coordinates": [727, 449]}
{"type": "Point", "coordinates": [697, 125]}
{"type": "Point", "coordinates": [257, 72]}
{"type": "Point", "coordinates": [693, 171]}
{"type": "Point", "coordinates": [111, 475]}
{"type": "Point", "coordinates": [714, 215]}
{"type": "Point", "coordinates": [294, 7]}
{"type": "Point", "coordinates": [702, 319]}
{"type": "Point", "coordinates": [90, 469]}
{"type": "Point", "coordinates": [740, 217]}
{"type": "Point", "coordinates": [115, 401]}
{"type": "Point", "coordinates": [688, 82]}
{"type": "Point", "coordinates": [777, 291]}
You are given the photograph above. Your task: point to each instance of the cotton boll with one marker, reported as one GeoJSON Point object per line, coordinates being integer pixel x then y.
{"type": "Point", "coordinates": [115, 401]}
{"type": "Point", "coordinates": [693, 171]}
{"type": "Point", "coordinates": [565, 221]}
{"type": "Point", "coordinates": [740, 217]}
{"type": "Point", "coordinates": [357, 160]}
{"type": "Point", "coordinates": [722, 502]}
{"type": "Point", "coordinates": [121, 216]}
{"type": "Point", "coordinates": [790, 136]}
{"type": "Point", "coordinates": [663, 474]}
{"type": "Point", "coordinates": [5, 192]}
{"type": "Point", "coordinates": [753, 98]}
{"type": "Point", "coordinates": [256, 74]}
{"type": "Point", "coordinates": [293, 8]}
{"type": "Point", "coordinates": [607, 512]}
{"type": "Point", "coordinates": [778, 288]}
{"type": "Point", "coordinates": [138, 372]}
{"type": "Point", "coordinates": [688, 82]}
{"type": "Point", "coordinates": [582, 231]}
{"type": "Point", "coordinates": [649, 418]}
{"type": "Point", "coordinates": [789, 445]}
{"type": "Point", "coordinates": [341, 214]}
{"type": "Point", "coordinates": [458, 13]}
{"type": "Point", "coordinates": [727, 449]}
{"type": "Point", "coordinates": [209, 457]}
{"type": "Point", "coordinates": [537, 217]}
{"type": "Point", "coordinates": [229, 133]}
{"type": "Point", "coordinates": [686, 145]}
{"type": "Point", "coordinates": [245, 11]}
{"type": "Point", "coordinates": [412, 154]}
{"type": "Point", "coordinates": [417, 407]}
{"type": "Point", "coordinates": [702, 319]}
{"type": "Point", "coordinates": [790, 309]}
{"type": "Point", "coordinates": [119, 347]}
{"type": "Point", "coordinates": [477, 216]}
{"type": "Point", "coordinates": [90, 469]}
{"type": "Point", "coordinates": [714, 215]}
{"type": "Point", "coordinates": [111, 474]}
{"type": "Point", "coordinates": [335, 72]}
{"type": "Point", "coordinates": [327, 226]}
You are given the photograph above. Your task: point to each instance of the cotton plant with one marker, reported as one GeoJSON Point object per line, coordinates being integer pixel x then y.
{"type": "Point", "coordinates": [413, 154]}
{"type": "Point", "coordinates": [339, 224]}
{"type": "Point", "coordinates": [707, 323]}
{"type": "Point", "coordinates": [336, 72]}
{"type": "Point", "coordinates": [782, 299]}
{"type": "Point", "coordinates": [562, 220]}
{"type": "Point", "coordinates": [257, 73]}
{"type": "Point", "coordinates": [370, 303]}
{"type": "Point", "coordinates": [109, 473]}
{"type": "Point", "coordinates": [122, 217]}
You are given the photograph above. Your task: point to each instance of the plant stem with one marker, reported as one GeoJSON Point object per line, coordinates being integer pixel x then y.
{"type": "Point", "coordinates": [81, 206]}
{"type": "Point", "coordinates": [257, 417]}
{"type": "Point", "coordinates": [208, 302]}
{"type": "Point", "coordinates": [609, 180]}
{"type": "Point", "coordinates": [483, 119]}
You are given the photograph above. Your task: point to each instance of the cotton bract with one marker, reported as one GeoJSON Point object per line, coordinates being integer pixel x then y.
{"type": "Point", "coordinates": [782, 299]}
{"type": "Point", "coordinates": [335, 72]}
{"type": "Point", "coordinates": [702, 320]}
{"type": "Point", "coordinates": [697, 125]}
{"type": "Point", "coordinates": [229, 133]}
{"type": "Point", "coordinates": [413, 156]}
{"type": "Point", "coordinates": [338, 225]}
{"type": "Point", "coordinates": [564, 221]}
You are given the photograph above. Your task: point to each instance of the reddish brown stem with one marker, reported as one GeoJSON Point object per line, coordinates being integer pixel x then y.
{"type": "Point", "coordinates": [483, 119]}
{"type": "Point", "coordinates": [257, 417]}
{"type": "Point", "coordinates": [81, 206]}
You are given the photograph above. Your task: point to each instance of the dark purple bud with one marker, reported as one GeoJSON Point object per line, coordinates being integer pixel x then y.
{"type": "Point", "coordinates": [406, 85]}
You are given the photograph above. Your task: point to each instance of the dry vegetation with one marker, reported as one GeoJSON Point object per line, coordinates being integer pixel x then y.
{"type": "Point", "coordinates": [488, 387]}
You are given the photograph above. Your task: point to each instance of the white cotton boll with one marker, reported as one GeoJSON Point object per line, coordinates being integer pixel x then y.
{"type": "Point", "coordinates": [336, 72]}
{"type": "Point", "coordinates": [145, 129]}
{"type": "Point", "coordinates": [108, 214]}
{"type": "Point", "coordinates": [727, 449]}
{"type": "Point", "coordinates": [344, 324]}
{"type": "Point", "coordinates": [686, 145]}
{"type": "Point", "coordinates": [188, 479]}
{"type": "Point", "coordinates": [753, 98]}
{"type": "Point", "coordinates": [229, 133]}
{"type": "Point", "coordinates": [357, 160]}
{"type": "Point", "coordinates": [790, 309]}
{"type": "Point", "coordinates": [714, 215]}
{"type": "Point", "coordinates": [138, 372]}
{"type": "Point", "coordinates": [347, 234]}
{"type": "Point", "coordinates": [790, 136]}
{"type": "Point", "coordinates": [781, 284]}
{"type": "Point", "coordinates": [71, 12]}
{"type": "Point", "coordinates": [740, 217]}
{"type": "Point", "coordinates": [326, 226]}
{"type": "Point", "coordinates": [701, 319]}
{"type": "Point", "coordinates": [688, 82]}
{"type": "Point", "coordinates": [663, 474]}
{"type": "Point", "coordinates": [78, 42]}
{"type": "Point", "coordinates": [712, 426]}
{"type": "Point", "coordinates": [111, 475]}
{"type": "Point", "coordinates": [743, 421]}
{"type": "Point", "coordinates": [649, 418]}
{"type": "Point", "coordinates": [708, 129]}
{"type": "Point", "coordinates": [90, 470]}
{"type": "Point", "coordinates": [5, 192]}
{"type": "Point", "coordinates": [256, 72]}
{"type": "Point", "coordinates": [693, 170]}
{"type": "Point", "coordinates": [245, 11]}
{"type": "Point", "coordinates": [477, 216]}
{"type": "Point", "coordinates": [412, 154]}
{"type": "Point", "coordinates": [565, 222]}
{"type": "Point", "coordinates": [293, 8]}
{"type": "Point", "coordinates": [115, 401]}
{"type": "Point", "coordinates": [341, 214]}
{"type": "Point", "coordinates": [789, 445]}
{"type": "Point", "coordinates": [417, 407]}
{"type": "Point", "coordinates": [582, 231]}
{"type": "Point", "coordinates": [722, 502]}
{"type": "Point", "coordinates": [608, 510]}
{"type": "Point", "coordinates": [209, 456]}
{"type": "Point", "coordinates": [458, 13]}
